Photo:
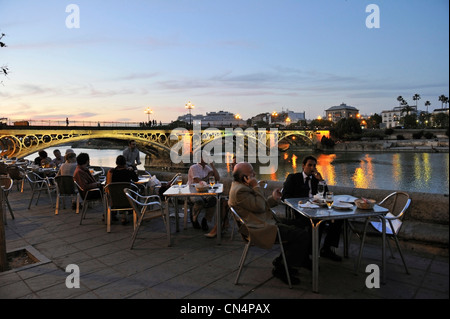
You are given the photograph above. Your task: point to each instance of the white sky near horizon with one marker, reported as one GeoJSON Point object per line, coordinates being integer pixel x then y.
{"type": "Point", "coordinates": [241, 56]}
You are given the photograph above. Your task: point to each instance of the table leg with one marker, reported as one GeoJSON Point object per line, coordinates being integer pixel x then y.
{"type": "Point", "coordinates": [383, 249]}
{"type": "Point", "coordinates": [218, 221]}
{"type": "Point", "coordinates": [185, 212]}
{"type": "Point", "coordinates": [346, 238]}
{"type": "Point", "coordinates": [167, 213]}
{"type": "Point", "coordinates": [315, 255]}
{"type": "Point", "coordinates": [177, 223]}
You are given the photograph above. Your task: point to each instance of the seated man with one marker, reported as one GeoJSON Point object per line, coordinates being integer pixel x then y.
{"type": "Point", "coordinates": [201, 172]}
{"type": "Point", "coordinates": [304, 184]}
{"type": "Point", "coordinates": [84, 178]}
{"type": "Point", "coordinates": [69, 166]}
{"type": "Point", "coordinates": [247, 198]}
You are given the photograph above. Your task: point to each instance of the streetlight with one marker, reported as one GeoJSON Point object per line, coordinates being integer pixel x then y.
{"type": "Point", "coordinates": [148, 111]}
{"type": "Point", "coordinates": [189, 106]}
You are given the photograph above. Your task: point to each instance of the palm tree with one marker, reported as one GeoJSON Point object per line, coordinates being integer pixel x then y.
{"type": "Point", "coordinates": [406, 108]}
{"type": "Point", "coordinates": [400, 100]}
{"type": "Point", "coordinates": [442, 99]}
{"type": "Point", "coordinates": [427, 104]}
{"type": "Point", "coordinates": [416, 98]}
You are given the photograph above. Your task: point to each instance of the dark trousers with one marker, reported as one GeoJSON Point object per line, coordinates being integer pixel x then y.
{"type": "Point", "coordinates": [333, 229]}
{"type": "Point", "coordinates": [296, 240]}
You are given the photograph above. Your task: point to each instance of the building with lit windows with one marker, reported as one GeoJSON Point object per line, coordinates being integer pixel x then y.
{"type": "Point", "coordinates": [336, 113]}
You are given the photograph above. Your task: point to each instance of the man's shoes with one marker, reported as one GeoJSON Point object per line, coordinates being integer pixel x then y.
{"type": "Point", "coordinates": [211, 235]}
{"type": "Point", "coordinates": [204, 224]}
{"type": "Point", "coordinates": [280, 273]}
{"type": "Point", "coordinates": [277, 262]}
{"type": "Point", "coordinates": [196, 224]}
{"type": "Point", "coordinates": [328, 253]}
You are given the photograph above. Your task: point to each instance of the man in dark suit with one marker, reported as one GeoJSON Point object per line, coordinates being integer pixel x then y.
{"type": "Point", "coordinates": [304, 184]}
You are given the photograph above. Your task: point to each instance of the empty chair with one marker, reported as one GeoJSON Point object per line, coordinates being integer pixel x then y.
{"type": "Point", "coordinates": [146, 207]}
{"type": "Point", "coordinates": [38, 185]}
{"type": "Point", "coordinates": [89, 196]}
{"type": "Point", "coordinates": [397, 203]}
{"type": "Point", "coordinates": [6, 184]}
{"type": "Point", "coordinates": [117, 201]}
{"type": "Point", "coordinates": [246, 236]}
{"type": "Point", "coordinates": [65, 187]}
{"type": "Point", "coordinates": [17, 173]}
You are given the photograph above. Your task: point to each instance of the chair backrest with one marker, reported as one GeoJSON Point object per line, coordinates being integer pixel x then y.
{"type": "Point", "coordinates": [240, 222]}
{"type": "Point", "coordinates": [397, 203]}
{"type": "Point", "coordinates": [6, 183]}
{"type": "Point", "coordinates": [116, 196]}
{"type": "Point", "coordinates": [66, 185]}
{"type": "Point", "coordinates": [172, 181]}
{"type": "Point", "coordinates": [141, 203]}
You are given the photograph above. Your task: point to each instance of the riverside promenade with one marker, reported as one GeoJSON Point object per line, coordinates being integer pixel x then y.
{"type": "Point", "coordinates": [193, 269]}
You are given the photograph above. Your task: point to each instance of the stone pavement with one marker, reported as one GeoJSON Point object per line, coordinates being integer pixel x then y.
{"type": "Point", "coordinates": [195, 267]}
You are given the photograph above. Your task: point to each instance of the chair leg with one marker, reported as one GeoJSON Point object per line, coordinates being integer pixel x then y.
{"type": "Point", "coordinates": [83, 211]}
{"type": "Point", "coordinates": [242, 261]}
{"type": "Point", "coordinates": [133, 238]}
{"type": "Point", "coordinates": [284, 260]}
{"type": "Point", "coordinates": [362, 245]}
{"type": "Point", "coordinates": [78, 204]}
{"type": "Point", "coordinates": [400, 252]}
{"type": "Point", "coordinates": [108, 220]}
{"type": "Point", "coordinates": [58, 198]}
{"type": "Point", "coordinates": [31, 199]}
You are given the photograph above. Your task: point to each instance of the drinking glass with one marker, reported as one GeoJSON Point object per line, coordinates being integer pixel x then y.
{"type": "Point", "coordinates": [329, 199]}
{"type": "Point", "coordinates": [212, 181]}
{"type": "Point", "coordinates": [179, 181]}
{"type": "Point", "coordinates": [321, 188]}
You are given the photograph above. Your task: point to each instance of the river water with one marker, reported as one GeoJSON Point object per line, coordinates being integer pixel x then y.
{"type": "Point", "coordinates": [410, 172]}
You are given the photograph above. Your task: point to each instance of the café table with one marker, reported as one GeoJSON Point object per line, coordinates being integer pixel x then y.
{"type": "Point", "coordinates": [321, 213]}
{"type": "Point", "coordinates": [144, 180]}
{"type": "Point", "coordinates": [189, 190]}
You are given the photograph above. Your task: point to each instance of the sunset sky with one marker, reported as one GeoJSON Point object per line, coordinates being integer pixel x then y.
{"type": "Point", "coordinates": [241, 56]}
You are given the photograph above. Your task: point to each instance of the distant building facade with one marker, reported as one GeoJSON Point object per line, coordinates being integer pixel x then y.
{"type": "Point", "coordinates": [214, 119]}
{"type": "Point", "coordinates": [336, 113]}
{"type": "Point", "coordinates": [391, 118]}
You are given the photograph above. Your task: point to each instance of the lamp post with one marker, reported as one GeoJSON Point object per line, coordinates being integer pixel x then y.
{"type": "Point", "coordinates": [189, 106]}
{"type": "Point", "coordinates": [148, 111]}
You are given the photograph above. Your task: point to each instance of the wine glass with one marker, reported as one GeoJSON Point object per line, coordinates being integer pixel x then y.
{"type": "Point", "coordinates": [329, 199]}
{"type": "Point", "coordinates": [179, 181]}
{"type": "Point", "coordinates": [212, 181]}
{"type": "Point", "coordinates": [321, 188]}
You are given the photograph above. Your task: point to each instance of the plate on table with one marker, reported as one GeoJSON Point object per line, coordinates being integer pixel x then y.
{"type": "Point", "coordinates": [341, 205]}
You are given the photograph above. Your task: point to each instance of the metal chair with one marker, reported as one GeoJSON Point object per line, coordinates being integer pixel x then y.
{"type": "Point", "coordinates": [144, 208]}
{"type": "Point", "coordinates": [17, 173]}
{"type": "Point", "coordinates": [65, 187]}
{"type": "Point", "coordinates": [89, 197]}
{"type": "Point", "coordinates": [246, 236]}
{"type": "Point", "coordinates": [38, 185]}
{"type": "Point", "coordinates": [397, 203]}
{"type": "Point", "coordinates": [6, 184]}
{"type": "Point", "coordinates": [116, 200]}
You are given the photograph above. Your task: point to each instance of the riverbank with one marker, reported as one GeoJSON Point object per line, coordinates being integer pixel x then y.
{"type": "Point", "coordinates": [390, 146]}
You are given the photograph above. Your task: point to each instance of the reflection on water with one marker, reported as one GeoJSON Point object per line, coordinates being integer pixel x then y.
{"type": "Point", "coordinates": [418, 172]}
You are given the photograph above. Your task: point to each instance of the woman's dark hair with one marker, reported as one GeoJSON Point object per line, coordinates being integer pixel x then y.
{"type": "Point", "coordinates": [121, 160]}
{"type": "Point", "coordinates": [82, 158]}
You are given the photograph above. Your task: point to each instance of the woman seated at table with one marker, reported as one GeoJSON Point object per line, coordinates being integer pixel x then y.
{"type": "Point", "coordinates": [121, 173]}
